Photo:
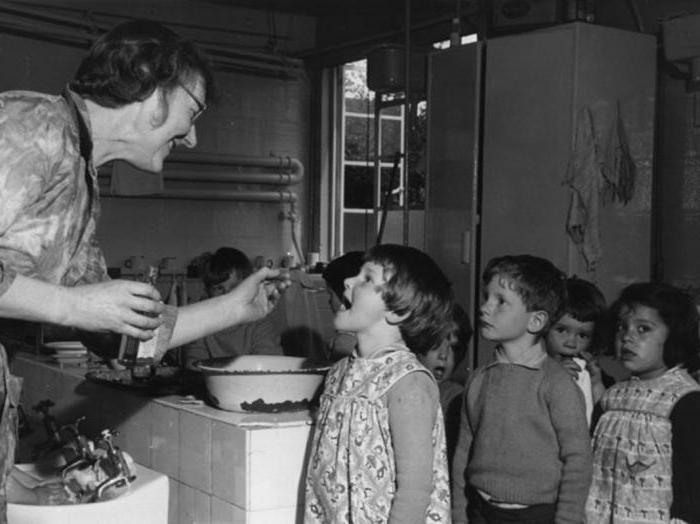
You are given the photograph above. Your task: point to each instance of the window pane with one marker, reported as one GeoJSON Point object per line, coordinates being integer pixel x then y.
{"type": "Point", "coordinates": [359, 138]}
{"type": "Point", "coordinates": [359, 187]}
{"type": "Point", "coordinates": [392, 110]}
{"type": "Point", "coordinates": [391, 137]}
{"type": "Point", "coordinates": [416, 190]}
{"type": "Point", "coordinates": [391, 178]}
{"type": "Point", "coordinates": [364, 106]}
{"type": "Point", "coordinates": [417, 139]}
{"type": "Point", "coordinates": [360, 232]}
{"type": "Point", "coordinates": [356, 93]}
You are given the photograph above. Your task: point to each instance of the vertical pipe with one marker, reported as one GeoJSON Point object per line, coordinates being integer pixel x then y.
{"type": "Point", "coordinates": [377, 164]}
{"type": "Point", "coordinates": [407, 120]}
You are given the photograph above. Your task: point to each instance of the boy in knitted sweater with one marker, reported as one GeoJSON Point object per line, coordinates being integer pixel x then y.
{"type": "Point", "coordinates": [523, 453]}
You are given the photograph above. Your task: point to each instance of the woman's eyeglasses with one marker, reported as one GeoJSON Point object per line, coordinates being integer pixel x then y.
{"type": "Point", "coordinates": [201, 106]}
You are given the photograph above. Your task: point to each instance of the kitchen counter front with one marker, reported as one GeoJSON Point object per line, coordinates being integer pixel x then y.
{"type": "Point", "coordinates": [223, 467]}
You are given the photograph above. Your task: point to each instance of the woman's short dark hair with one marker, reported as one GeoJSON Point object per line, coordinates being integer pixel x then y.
{"type": "Point", "coordinates": [227, 260]}
{"type": "Point", "coordinates": [415, 286]}
{"type": "Point", "coordinates": [677, 310]}
{"type": "Point", "coordinates": [129, 62]}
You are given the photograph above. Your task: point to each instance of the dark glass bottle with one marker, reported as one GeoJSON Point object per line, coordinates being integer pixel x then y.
{"type": "Point", "coordinates": [129, 349]}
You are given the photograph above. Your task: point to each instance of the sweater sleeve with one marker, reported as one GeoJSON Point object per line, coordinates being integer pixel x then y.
{"type": "Point", "coordinates": [459, 463]}
{"type": "Point", "coordinates": [265, 338]}
{"type": "Point", "coordinates": [569, 420]}
{"type": "Point", "coordinates": [686, 458]}
{"type": "Point", "coordinates": [413, 407]}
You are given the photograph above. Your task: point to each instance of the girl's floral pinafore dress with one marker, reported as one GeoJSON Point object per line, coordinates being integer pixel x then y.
{"type": "Point", "coordinates": [351, 475]}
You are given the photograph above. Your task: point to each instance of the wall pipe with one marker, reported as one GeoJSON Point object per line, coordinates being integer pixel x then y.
{"type": "Point", "coordinates": [277, 179]}
{"type": "Point", "coordinates": [294, 169]}
{"type": "Point", "coordinates": [281, 162]}
{"type": "Point", "coordinates": [281, 197]}
{"type": "Point", "coordinates": [214, 159]}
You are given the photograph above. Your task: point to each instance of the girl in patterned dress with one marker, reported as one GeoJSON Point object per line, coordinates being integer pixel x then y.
{"type": "Point", "coordinates": [378, 453]}
{"type": "Point", "coordinates": [646, 456]}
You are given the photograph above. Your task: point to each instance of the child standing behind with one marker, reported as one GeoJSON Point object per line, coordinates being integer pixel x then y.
{"type": "Point", "coordinates": [646, 456]}
{"type": "Point", "coordinates": [575, 337]}
{"type": "Point", "coordinates": [378, 453]}
{"type": "Point", "coordinates": [524, 449]}
{"type": "Point", "coordinates": [443, 362]}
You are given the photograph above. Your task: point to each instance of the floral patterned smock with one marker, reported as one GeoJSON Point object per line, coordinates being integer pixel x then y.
{"type": "Point", "coordinates": [632, 450]}
{"type": "Point", "coordinates": [351, 472]}
{"type": "Point", "coordinates": [48, 214]}
{"type": "Point", "coordinates": [48, 191]}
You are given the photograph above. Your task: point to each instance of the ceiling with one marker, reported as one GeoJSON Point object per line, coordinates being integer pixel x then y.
{"type": "Point", "coordinates": [324, 8]}
{"type": "Point", "coordinates": [342, 24]}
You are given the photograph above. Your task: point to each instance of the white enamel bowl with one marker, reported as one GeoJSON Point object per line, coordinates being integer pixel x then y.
{"type": "Point", "coordinates": [262, 383]}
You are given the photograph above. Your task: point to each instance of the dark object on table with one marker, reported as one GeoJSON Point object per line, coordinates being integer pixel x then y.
{"type": "Point", "coordinates": [260, 406]}
{"type": "Point", "coordinates": [162, 381]}
{"type": "Point", "coordinates": [104, 345]}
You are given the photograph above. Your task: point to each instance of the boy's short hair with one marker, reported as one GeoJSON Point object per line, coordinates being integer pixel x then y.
{"type": "Point", "coordinates": [537, 281]}
{"type": "Point", "coordinates": [677, 310]}
{"type": "Point", "coordinates": [227, 260]}
{"type": "Point", "coordinates": [415, 286]}
{"type": "Point", "coordinates": [340, 268]}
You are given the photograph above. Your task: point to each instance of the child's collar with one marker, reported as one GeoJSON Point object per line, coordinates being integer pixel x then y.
{"type": "Point", "coordinates": [532, 357]}
{"type": "Point", "coordinates": [380, 351]}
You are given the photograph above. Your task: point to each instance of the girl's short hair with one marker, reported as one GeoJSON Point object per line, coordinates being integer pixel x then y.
{"type": "Point", "coordinates": [537, 281]}
{"type": "Point", "coordinates": [585, 302]}
{"type": "Point", "coordinates": [415, 286]}
{"type": "Point", "coordinates": [678, 312]}
{"type": "Point", "coordinates": [130, 61]}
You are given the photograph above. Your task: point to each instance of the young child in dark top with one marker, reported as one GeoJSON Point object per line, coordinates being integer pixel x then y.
{"type": "Point", "coordinates": [443, 362]}
{"type": "Point", "coordinates": [222, 272]}
{"type": "Point", "coordinates": [523, 453]}
{"type": "Point", "coordinates": [576, 338]}
{"type": "Point", "coordinates": [646, 457]}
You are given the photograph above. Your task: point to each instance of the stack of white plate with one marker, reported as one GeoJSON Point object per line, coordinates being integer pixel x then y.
{"type": "Point", "coordinates": [68, 352]}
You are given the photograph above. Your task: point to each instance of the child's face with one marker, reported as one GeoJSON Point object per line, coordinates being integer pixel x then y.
{"type": "Point", "coordinates": [224, 287]}
{"type": "Point", "coordinates": [639, 341]}
{"type": "Point", "coordinates": [440, 362]}
{"type": "Point", "coordinates": [503, 316]}
{"type": "Point", "coordinates": [364, 295]}
{"type": "Point", "coordinates": [569, 337]}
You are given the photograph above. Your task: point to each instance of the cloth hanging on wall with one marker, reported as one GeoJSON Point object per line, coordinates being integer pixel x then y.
{"type": "Point", "coordinates": [617, 165]}
{"type": "Point", "coordinates": [594, 172]}
{"type": "Point", "coordinates": [585, 179]}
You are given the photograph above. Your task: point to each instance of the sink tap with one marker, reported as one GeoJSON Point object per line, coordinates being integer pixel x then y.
{"type": "Point", "coordinates": [116, 482]}
{"type": "Point", "coordinates": [53, 438]}
{"type": "Point", "coordinates": [114, 464]}
{"type": "Point", "coordinates": [75, 445]}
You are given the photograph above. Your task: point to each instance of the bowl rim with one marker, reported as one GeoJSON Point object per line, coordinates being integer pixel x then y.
{"type": "Point", "coordinates": [313, 369]}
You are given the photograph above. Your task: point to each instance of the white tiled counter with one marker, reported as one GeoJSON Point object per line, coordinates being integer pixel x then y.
{"type": "Point", "coordinates": [223, 467]}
